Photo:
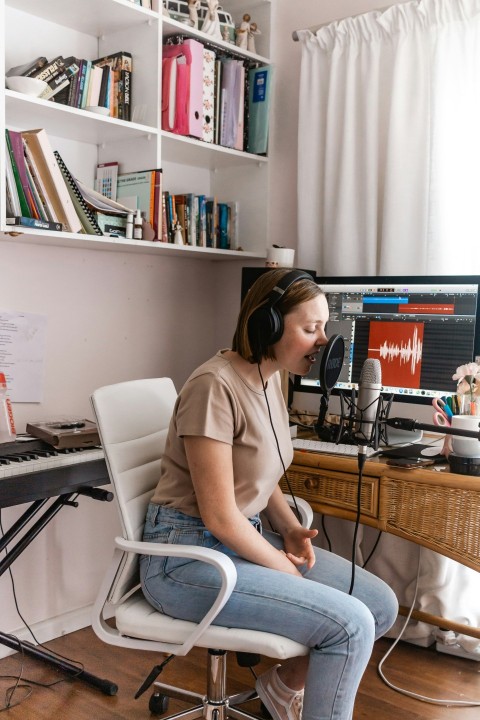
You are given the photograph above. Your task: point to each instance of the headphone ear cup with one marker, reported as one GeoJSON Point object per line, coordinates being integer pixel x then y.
{"type": "Point", "coordinates": [265, 327]}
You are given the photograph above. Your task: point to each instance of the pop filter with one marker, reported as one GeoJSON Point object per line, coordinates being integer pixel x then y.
{"type": "Point", "coordinates": [331, 363]}
{"type": "Point", "coordinates": [330, 367]}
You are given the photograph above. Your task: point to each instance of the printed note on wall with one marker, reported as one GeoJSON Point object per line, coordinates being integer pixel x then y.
{"type": "Point", "coordinates": [22, 353]}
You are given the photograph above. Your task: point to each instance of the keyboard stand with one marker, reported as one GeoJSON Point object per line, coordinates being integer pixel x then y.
{"type": "Point", "coordinates": [33, 510]}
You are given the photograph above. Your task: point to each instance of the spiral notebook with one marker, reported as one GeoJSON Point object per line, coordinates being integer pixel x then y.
{"type": "Point", "coordinates": [87, 217]}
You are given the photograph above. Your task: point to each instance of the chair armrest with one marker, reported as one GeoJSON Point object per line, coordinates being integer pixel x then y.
{"type": "Point", "coordinates": [221, 562]}
{"type": "Point", "coordinates": [306, 512]}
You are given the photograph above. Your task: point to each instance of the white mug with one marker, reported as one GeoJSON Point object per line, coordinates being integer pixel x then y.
{"type": "Point", "coordinates": [280, 257]}
{"type": "Point", "coordinates": [465, 446]}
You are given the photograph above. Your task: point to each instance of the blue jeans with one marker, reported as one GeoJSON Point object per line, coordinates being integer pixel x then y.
{"type": "Point", "coordinates": [314, 610]}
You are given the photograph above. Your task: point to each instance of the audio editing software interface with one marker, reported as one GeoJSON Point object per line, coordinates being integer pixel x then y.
{"type": "Point", "coordinates": [420, 333]}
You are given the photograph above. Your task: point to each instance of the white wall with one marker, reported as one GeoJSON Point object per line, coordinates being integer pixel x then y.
{"type": "Point", "coordinates": [117, 316]}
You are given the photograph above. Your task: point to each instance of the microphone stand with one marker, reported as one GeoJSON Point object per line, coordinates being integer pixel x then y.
{"type": "Point", "coordinates": [406, 424]}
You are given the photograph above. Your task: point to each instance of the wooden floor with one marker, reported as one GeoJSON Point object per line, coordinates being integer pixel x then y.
{"type": "Point", "coordinates": [420, 670]}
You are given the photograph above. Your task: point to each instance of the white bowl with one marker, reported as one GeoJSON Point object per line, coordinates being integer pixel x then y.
{"type": "Point", "coordinates": [26, 85]}
{"type": "Point", "coordinates": [98, 109]}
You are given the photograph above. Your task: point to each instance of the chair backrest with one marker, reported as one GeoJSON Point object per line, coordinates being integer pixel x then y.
{"type": "Point", "coordinates": [133, 419]}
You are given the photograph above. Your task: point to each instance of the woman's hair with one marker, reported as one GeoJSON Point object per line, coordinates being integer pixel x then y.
{"type": "Point", "coordinates": [299, 292]}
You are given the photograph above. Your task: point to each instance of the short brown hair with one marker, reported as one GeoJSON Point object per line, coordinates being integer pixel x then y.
{"type": "Point", "coordinates": [299, 292]}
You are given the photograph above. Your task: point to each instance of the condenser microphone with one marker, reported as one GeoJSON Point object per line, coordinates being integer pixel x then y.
{"type": "Point", "coordinates": [330, 368]}
{"type": "Point", "coordinates": [369, 387]}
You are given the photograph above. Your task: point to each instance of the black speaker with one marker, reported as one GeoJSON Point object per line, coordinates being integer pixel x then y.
{"type": "Point", "coordinates": [265, 325]}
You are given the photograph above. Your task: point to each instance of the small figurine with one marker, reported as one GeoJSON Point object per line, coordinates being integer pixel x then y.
{"type": "Point", "coordinates": [165, 12]}
{"type": "Point", "coordinates": [226, 33]}
{"type": "Point", "coordinates": [251, 37]}
{"type": "Point", "coordinates": [241, 33]}
{"type": "Point", "coordinates": [178, 237]}
{"type": "Point", "coordinates": [211, 23]}
{"type": "Point", "coordinates": [193, 6]}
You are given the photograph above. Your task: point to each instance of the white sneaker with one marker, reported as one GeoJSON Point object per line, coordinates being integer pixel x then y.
{"type": "Point", "coordinates": [282, 704]}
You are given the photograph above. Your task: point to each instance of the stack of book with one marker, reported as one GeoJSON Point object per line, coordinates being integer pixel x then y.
{"type": "Point", "coordinates": [42, 193]}
{"type": "Point", "coordinates": [105, 82]}
{"type": "Point", "coordinates": [214, 97]}
{"type": "Point", "coordinates": [203, 221]}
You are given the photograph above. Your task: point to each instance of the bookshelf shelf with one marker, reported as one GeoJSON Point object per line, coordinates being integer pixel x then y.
{"type": "Point", "coordinates": [65, 121]}
{"type": "Point", "coordinates": [92, 17]}
{"type": "Point", "coordinates": [173, 27]}
{"type": "Point", "coordinates": [188, 151]}
{"type": "Point", "coordinates": [94, 28]}
{"type": "Point", "coordinates": [92, 242]}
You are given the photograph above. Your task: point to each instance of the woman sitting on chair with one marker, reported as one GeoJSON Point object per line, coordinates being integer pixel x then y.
{"type": "Point", "coordinates": [227, 448]}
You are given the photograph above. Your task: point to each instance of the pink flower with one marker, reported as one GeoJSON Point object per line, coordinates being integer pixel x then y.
{"type": "Point", "coordinates": [466, 376]}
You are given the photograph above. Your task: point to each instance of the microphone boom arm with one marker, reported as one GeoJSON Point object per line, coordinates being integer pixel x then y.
{"type": "Point", "coordinates": [407, 424]}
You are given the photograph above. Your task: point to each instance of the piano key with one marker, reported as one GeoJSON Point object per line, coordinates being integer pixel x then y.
{"type": "Point", "coordinates": [50, 462]}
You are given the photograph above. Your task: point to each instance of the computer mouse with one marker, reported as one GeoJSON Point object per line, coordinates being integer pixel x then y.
{"type": "Point", "coordinates": [430, 451]}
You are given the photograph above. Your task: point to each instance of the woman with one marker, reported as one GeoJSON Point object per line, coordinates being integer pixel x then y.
{"type": "Point", "coordinates": [227, 447]}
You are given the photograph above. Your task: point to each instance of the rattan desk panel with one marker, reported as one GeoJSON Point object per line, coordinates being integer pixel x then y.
{"type": "Point", "coordinates": [339, 490]}
{"type": "Point", "coordinates": [445, 519]}
{"type": "Point", "coordinates": [439, 510]}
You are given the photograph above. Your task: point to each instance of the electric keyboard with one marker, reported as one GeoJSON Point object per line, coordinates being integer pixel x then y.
{"type": "Point", "coordinates": [32, 469]}
{"type": "Point", "coordinates": [321, 446]}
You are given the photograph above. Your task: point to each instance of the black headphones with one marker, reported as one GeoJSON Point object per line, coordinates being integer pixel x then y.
{"type": "Point", "coordinates": [265, 324]}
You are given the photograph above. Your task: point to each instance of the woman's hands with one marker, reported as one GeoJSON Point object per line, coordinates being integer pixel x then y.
{"type": "Point", "coordinates": [298, 546]}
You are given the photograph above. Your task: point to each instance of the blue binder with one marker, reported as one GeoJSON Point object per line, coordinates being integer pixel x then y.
{"type": "Point", "coordinates": [260, 81]}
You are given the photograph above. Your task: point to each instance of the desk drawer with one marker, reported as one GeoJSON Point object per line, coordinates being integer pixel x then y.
{"type": "Point", "coordinates": [336, 489]}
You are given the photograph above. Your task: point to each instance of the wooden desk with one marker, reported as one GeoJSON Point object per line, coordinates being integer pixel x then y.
{"type": "Point", "coordinates": [437, 509]}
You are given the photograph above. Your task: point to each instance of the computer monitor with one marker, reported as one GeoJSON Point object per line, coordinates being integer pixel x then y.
{"type": "Point", "coordinates": [420, 328]}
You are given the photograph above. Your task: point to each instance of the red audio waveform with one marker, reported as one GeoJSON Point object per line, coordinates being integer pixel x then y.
{"type": "Point", "coordinates": [399, 348]}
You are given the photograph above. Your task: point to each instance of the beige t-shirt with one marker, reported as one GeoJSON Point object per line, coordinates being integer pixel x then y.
{"type": "Point", "coordinates": [217, 403]}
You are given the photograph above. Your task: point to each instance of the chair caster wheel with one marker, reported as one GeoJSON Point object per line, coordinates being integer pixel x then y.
{"type": "Point", "coordinates": [158, 704]}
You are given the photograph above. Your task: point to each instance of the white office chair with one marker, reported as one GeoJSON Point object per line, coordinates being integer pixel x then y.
{"type": "Point", "coordinates": [133, 419]}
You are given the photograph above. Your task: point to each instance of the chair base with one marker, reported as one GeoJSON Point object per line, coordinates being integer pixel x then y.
{"type": "Point", "coordinates": [216, 704]}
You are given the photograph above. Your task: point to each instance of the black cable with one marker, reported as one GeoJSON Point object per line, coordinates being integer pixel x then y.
{"type": "Point", "coordinates": [299, 516]}
{"type": "Point", "coordinates": [380, 533]}
{"type": "Point", "coordinates": [9, 693]}
{"type": "Point", "coordinates": [324, 528]}
{"type": "Point", "coordinates": [362, 456]}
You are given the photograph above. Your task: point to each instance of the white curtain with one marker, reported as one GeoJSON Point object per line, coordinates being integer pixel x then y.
{"type": "Point", "coordinates": [389, 183]}
{"type": "Point", "coordinates": [389, 142]}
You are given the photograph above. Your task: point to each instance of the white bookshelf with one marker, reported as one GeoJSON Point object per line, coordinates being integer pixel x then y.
{"type": "Point", "coordinates": [92, 28]}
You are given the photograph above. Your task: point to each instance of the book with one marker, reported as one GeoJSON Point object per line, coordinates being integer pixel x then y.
{"type": "Point", "coordinates": [122, 66]}
{"type": "Point", "coordinates": [50, 70]}
{"type": "Point", "coordinates": [12, 192]}
{"type": "Point", "coordinates": [18, 174]}
{"type": "Point", "coordinates": [42, 192]}
{"type": "Point", "coordinates": [258, 109]}
{"type": "Point", "coordinates": [106, 179]}
{"type": "Point", "coordinates": [27, 69]}
{"type": "Point", "coordinates": [112, 224]}
{"type": "Point", "coordinates": [208, 95]}
{"type": "Point", "coordinates": [94, 85]}
{"type": "Point", "coordinates": [101, 204]}
{"type": "Point", "coordinates": [61, 81]}
{"type": "Point", "coordinates": [39, 144]}
{"type": "Point", "coordinates": [137, 190]}
{"type": "Point", "coordinates": [34, 223]}
{"type": "Point", "coordinates": [87, 217]}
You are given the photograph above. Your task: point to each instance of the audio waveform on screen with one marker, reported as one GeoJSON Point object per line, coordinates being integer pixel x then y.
{"type": "Point", "coordinates": [399, 348]}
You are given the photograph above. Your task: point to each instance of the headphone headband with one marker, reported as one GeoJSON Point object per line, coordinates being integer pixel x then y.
{"type": "Point", "coordinates": [265, 325]}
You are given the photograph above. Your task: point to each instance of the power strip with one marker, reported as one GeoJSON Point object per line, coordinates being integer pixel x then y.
{"type": "Point", "coordinates": [458, 650]}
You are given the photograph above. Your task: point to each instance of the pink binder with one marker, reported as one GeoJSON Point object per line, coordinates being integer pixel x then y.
{"type": "Point", "coordinates": [189, 87]}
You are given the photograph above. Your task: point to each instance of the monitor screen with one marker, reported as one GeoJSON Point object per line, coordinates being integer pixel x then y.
{"type": "Point", "coordinates": [420, 328]}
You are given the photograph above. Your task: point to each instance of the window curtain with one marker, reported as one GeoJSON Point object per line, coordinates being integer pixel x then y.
{"type": "Point", "coordinates": [389, 142]}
